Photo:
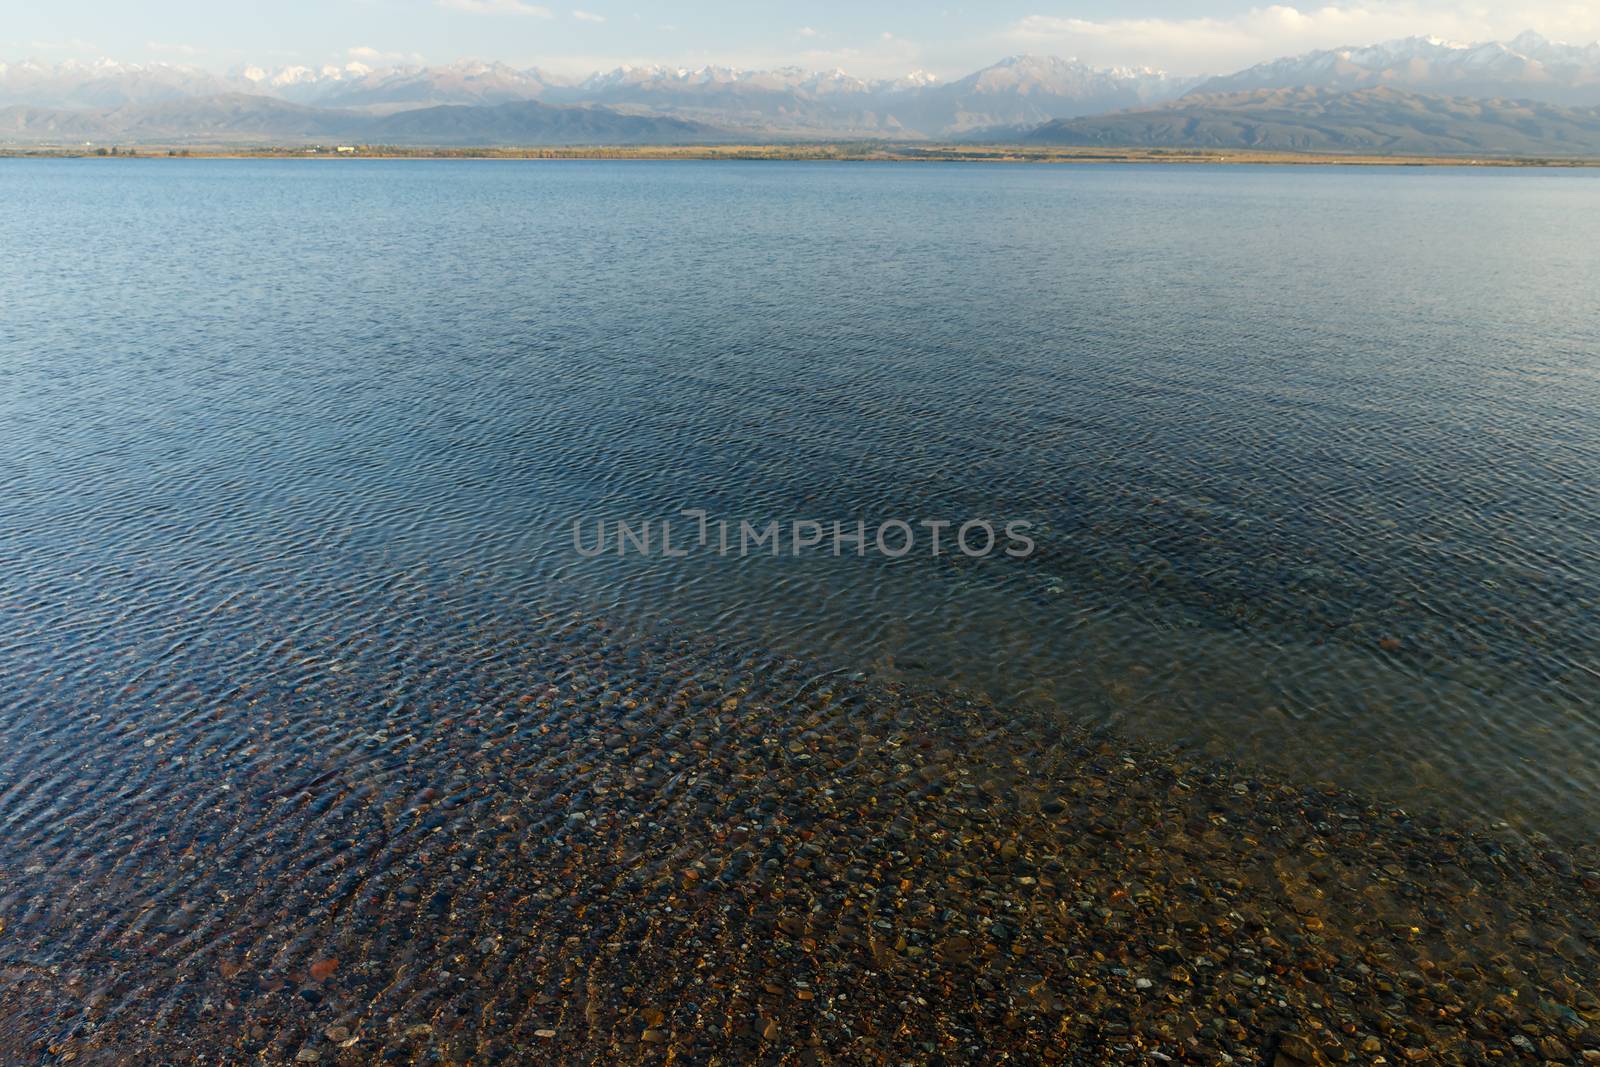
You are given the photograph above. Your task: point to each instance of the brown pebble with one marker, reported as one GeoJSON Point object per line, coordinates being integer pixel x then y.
{"type": "Point", "coordinates": [1295, 1051]}
{"type": "Point", "coordinates": [1554, 1049]}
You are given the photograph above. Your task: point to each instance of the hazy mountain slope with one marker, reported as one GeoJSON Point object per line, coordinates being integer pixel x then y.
{"type": "Point", "coordinates": [1020, 89]}
{"type": "Point", "coordinates": [532, 123]}
{"type": "Point", "coordinates": [660, 104]}
{"type": "Point", "coordinates": [1529, 67]}
{"type": "Point", "coordinates": [233, 117]}
{"type": "Point", "coordinates": [410, 88]}
{"type": "Point", "coordinates": [106, 84]}
{"type": "Point", "coordinates": [228, 118]}
{"type": "Point", "coordinates": [1320, 120]}
{"type": "Point", "coordinates": [53, 125]}
{"type": "Point", "coordinates": [784, 102]}
{"type": "Point", "coordinates": [242, 119]}
{"type": "Point", "coordinates": [792, 102]}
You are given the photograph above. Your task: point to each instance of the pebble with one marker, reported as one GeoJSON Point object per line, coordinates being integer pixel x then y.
{"type": "Point", "coordinates": [938, 878]}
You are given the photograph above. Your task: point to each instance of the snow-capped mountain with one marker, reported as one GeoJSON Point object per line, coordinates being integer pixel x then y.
{"type": "Point", "coordinates": [104, 83]}
{"type": "Point", "coordinates": [356, 85]}
{"type": "Point", "coordinates": [660, 78]}
{"type": "Point", "coordinates": [1022, 90]}
{"type": "Point", "coordinates": [1015, 91]}
{"type": "Point", "coordinates": [789, 101]}
{"type": "Point", "coordinates": [1050, 76]}
{"type": "Point", "coordinates": [1357, 121]}
{"type": "Point", "coordinates": [1528, 67]}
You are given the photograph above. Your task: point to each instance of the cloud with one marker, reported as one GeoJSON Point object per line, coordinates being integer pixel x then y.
{"type": "Point", "coordinates": [874, 58]}
{"type": "Point", "coordinates": [588, 16]}
{"type": "Point", "coordinates": [806, 31]}
{"type": "Point", "coordinates": [1211, 44]}
{"type": "Point", "coordinates": [883, 56]}
{"type": "Point", "coordinates": [496, 7]}
{"type": "Point", "coordinates": [366, 54]}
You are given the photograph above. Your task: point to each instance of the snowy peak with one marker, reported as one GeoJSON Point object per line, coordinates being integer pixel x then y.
{"type": "Point", "coordinates": [1052, 76]}
{"type": "Point", "coordinates": [105, 83]}
{"type": "Point", "coordinates": [1529, 66]}
{"type": "Point", "coordinates": [664, 77]}
{"type": "Point", "coordinates": [1018, 91]}
{"type": "Point", "coordinates": [1026, 89]}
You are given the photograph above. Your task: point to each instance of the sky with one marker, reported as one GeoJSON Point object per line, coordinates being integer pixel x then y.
{"type": "Point", "coordinates": [869, 38]}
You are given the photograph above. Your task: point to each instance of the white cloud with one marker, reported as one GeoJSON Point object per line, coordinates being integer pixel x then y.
{"type": "Point", "coordinates": [874, 58]}
{"type": "Point", "coordinates": [885, 56]}
{"type": "Point", "coordinates": [1213, 45]}
{"type": "Point", "coordinates": [496, 7]}
{"type": "Point", "coordinates": [588, 16]}
{"type": "Point", "coordinates": [806, 31]}
{"type": "Point", "coordinates": [366, 54]}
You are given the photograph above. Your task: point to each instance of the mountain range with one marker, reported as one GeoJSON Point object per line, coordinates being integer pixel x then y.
{"type": "Point", "coordinates": [1019, 98]}
{"type": "Point", "coordinates": [236, 118]}
{"type": "Point", "coordinates": [784, 102]}
{"type": "Point", "coordinates": [1379, 121]}
{"type": "Point", "coordinates": [1530, 67]}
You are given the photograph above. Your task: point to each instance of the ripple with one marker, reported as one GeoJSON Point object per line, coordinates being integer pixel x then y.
{"type": "Point", "coordinates": [1320, 494]}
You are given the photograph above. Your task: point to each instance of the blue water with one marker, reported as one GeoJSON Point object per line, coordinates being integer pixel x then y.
{"type": "Point", "coordinates": [1312, 454]}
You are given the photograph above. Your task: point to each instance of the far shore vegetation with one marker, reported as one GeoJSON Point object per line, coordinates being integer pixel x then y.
{"type": "Point", "coordinates": [859, 151]}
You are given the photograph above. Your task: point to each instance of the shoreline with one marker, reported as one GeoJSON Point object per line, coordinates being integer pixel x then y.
{"type": "Point", "coordinates": [664, 849]}
{"type": "Point", "coordinates": [817, 152]}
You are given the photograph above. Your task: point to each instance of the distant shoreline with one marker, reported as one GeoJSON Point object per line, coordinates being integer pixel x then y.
{"type": "Point", "coordinates": [821, 152]}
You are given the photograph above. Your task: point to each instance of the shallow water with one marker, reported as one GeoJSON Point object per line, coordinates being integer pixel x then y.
{"type": "Point", "coordinates": [1312, 454]}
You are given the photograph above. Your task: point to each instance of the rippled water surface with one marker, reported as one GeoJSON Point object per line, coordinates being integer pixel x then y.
{"type": "Point", "coordinates": [1312, 454]}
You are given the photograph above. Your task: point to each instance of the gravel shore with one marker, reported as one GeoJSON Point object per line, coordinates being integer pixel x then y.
{"type": "Point", "coordinates": [656, 852]}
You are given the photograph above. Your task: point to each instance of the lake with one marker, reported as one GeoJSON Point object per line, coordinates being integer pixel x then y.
{"type": "Point", "coordinates": [375, 684]}
{"type": "Point", "coordinates": [1311, 455]}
